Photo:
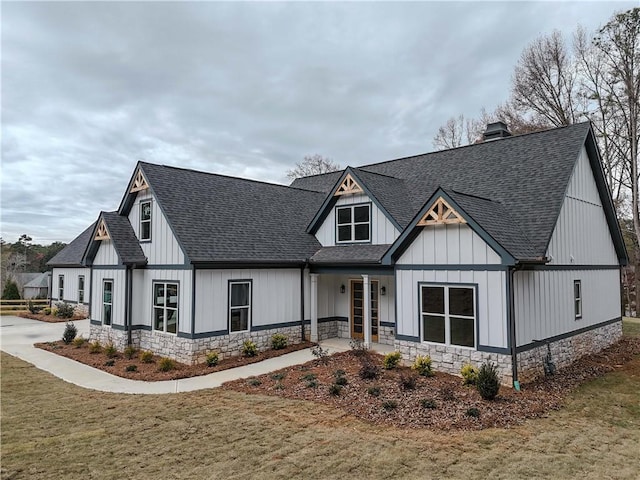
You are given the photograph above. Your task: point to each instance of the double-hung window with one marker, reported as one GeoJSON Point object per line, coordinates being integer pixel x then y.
{"type": "Point", "coordinates": [145, 220]}
{"type": "Point", "coordinates": [60, 287]}
{"type": "Point", "coordinates": [107, 301]}
{"type": "Point", "coordinates": [577, 299]}
{"type": "Point", "coordinates": [80, 288]}
{"type": "Point", "coordinates": [353, 223]}
{"type": "Point", "coordinates": [448, 314]}
{"type": "Point", "coordinates": [239, 306]}
{"type": "Point", "coordinates": [165, 307]}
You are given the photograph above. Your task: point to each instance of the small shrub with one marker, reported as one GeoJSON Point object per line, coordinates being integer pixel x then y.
{"type": "Point", "coordinates": [279, 341]}
{"type": "Point", "coordinates": [422, 365]}
{"type": "Point", "coordinates": [339, 373]}
{"type": "Point", "coordinates": [488, 381]}
{"type": "Point", "coordinates": [54, 312]}
{"type": "Point", "coordinates": [249, 348]}
{"type": "Point", "coordinates": [33, 308]}
{"type": "Point", "coordinates": [131, 368]}
{"type": "Point", "coordinates": [110, 350]}
{"type": "Point", "coordinates": [46, 310]}
{"type": "Point", "coordinates": [309, 376]}
{"type": "Point", "coordinates": [78, 342]}
{"type": "Point", "coordinates": [278, 376]}
{"type": "Point", "coordinates": [166, 364]}
{"type": "Point", "coordinates": [70, 332]}
{"type": "Point", "coordinates": [320, 353]}
{"type": "Point", "coordinates": [146, 356]}
{"type": "Point", "coordinates": [358, 347]}
{"type": "Point", "coordinates": [110, 363]}
{"type": "Point", "coordinates": [389, 405]}
{"type": "Point", "coordinates": [335, 389]}
{"type": "Point", "coordinates": [472, 412]}
{"type": "Point", "coordinates": [64, 310]}
{"type": "Point", "coordinates": [312, 383]}
{"type": "Point", "coordinates": [447, 394]}
{"type": "Point", "coordinates": [130, 352]}
{"type": "Point", "coordinates": [279, 386]}
{"type": "Point", "coordinates": [428, 403]}
{"type": "Point", "coordinates": [391, 360]}
{"type": "Point", "coordinates": [254, 382]}
{"type": "Point", "coordinates": [342, 381]}
{"type": "Point", "coordinates": [469, 374]}
{"type": "Point", "coordinates": [95, 347]}
{"type": "Point", "coordinates": [369, 371]}
{"type": "Point", "coordinates": [374, 391]}
{"type": "Point", "coordinates": [212, 359]}
{"type": "Point", "coordinates": [408, 381]}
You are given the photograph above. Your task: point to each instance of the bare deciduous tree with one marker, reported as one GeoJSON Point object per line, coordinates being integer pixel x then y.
{"type": "Point", "coordinates": [313, 165]}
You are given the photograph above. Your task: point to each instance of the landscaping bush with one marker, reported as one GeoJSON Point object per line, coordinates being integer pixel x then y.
{"type": "Point", "coordinates": [309, 376]}
{"type": "Point", "coordinates": [374, 391]}
{"type": "Point", "coordinates": [130, 352]}
{"type": "Point", "coordinates": [279, 386]}
{"type": "Point", "coordinates": [278, 376]}
{"type": "Point", "coordinates": [95, 347]}
{"type": "Point", "coordinates": [472, 412]}
{"type": "Point", "coordinates": [312, 383]}
{"type": "Point", "coordinates": [254, 382]}
{"type": "Point", "coordinates": [131, 368]}
{"type": "Point", "coordinates": [448, 394]}
{"type": "Point", "coordinates": [469, 374]}
{"type": "Point", "coordinates": [166, 364]}
{"type": "Point", "coordinates": [428, 403]}
{"type": "Point", "coordinates": [212, 359]}
{"type": "Point", "coordinates": [422, 365]}
{"type": "Point", "coordinates": [110, 363]}
{"type": "Point", "coordinates": [279, 341]}
{"type": "Point", "coordinates": [70, 332]}
{"type": "Point", "coordinates": [320, 353]}
{"type": "Point", "coordinates": [64, 310]}
{"type": "Point", "coordinates": [46, 310]}
{"type": "Point", "coordinates": [389, 405]}
{"type": "Point", "coordinates": [488, 381]}
{"type": "Point", "coordinates": [10, 291]}
{"type": "Point", "coordinates": [78, 342]}
{"type": "Point", "coordinates": [335, 389]}
{"type": "Point", "coordinates": [54, 312]}
{"type": "Point", "coordinates": [249, 348]}
{"type": "Point", "coordinates": [340, 380]}
{"type": "Point", "coordinates": [408, 381]}
{"type": "Point", "coordinates": [146, 356]}
{"type": "Point", "coordinates": [369, 371]}
{"type": "Point", "coordinates": [33, 308]}
{"type": "Point", "coordinates": [358, 347]}
{"type": "Point", "coordinates": [110, 350]}
{"type": "Point", "coordinates": [391, 360]}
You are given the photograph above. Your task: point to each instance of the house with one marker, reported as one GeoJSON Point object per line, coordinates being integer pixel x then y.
{"type": "Point", "coordinates": [506, 251]}
{"type": "Point", "coordinates": [38, 287]}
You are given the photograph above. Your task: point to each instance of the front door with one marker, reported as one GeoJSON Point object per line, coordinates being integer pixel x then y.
{"type": "Point", "coordinates": [357, 309]}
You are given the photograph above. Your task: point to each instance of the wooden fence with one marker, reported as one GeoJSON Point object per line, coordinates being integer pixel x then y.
{"type": "Point", "coordinates": [11, 307]}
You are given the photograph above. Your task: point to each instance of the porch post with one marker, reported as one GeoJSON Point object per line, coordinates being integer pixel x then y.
{"type": "Point", "coordinates": [366, 309]}
{"type": "Point", "coordinates": [313, 299]}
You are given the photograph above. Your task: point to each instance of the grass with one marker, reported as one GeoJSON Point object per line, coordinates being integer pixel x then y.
{"type": "Point", "coordinates": [223, 434]}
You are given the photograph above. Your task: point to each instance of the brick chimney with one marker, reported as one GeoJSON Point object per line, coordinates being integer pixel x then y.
{"type": "Point", "coordinates": [495, 131]}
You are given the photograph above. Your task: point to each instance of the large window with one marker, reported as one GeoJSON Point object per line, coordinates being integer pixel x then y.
{"type": "Point", "coordinates": [448, 314]}
{"type": "Point", "coordinates": [165, 307]}
{"type": "Point", "coordinates": [353, 223]}
{"type": "Point", "coordinates": [80, 288]}
{"type": "Point", "coordinates": [577, 299]}
{"type": "Point", "coordinates": [239, 306]}
{"type": "Point", "coordinates": [145, 221]}
{"type": "Point", "coordinates": [60, 287]}
{"type": "Point", "coordinates": [107, 301]}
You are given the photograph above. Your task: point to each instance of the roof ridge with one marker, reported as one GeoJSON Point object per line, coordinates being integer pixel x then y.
{"type": "Point", "coordinates": [379, 174]}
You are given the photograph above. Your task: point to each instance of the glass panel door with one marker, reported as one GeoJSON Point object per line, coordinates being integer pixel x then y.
{"type": "Point", "coordinates": [357, 310]}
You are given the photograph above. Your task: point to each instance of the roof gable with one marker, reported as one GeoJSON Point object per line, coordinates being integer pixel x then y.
{"type": "Point", "coordinates": [116, 228]}
{"type": "Point", "coordinates": [73, 254]}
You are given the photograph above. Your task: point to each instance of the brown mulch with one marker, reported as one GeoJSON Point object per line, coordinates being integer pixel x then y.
{"type": "Point", "coordinates": [149, 371]}
{"type": "Point", "coordinates": [452, 399]}
{"type": "Point", "coordinates": [49, 318]}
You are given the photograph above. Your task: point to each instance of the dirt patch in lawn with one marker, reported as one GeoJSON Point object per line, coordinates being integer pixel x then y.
{"type": "Point", "coordinates": [49, 318]}
{"type": "Point", "coordinates": [136, 369]}
{"type": "Point", "coordinates": [439, 402]}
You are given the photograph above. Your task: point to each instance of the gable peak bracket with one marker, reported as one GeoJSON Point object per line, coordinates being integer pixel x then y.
{"type": "Point", "coordinates": [102, 233]}
{"type": "Point", "coordinates": [139, 182]}
{"type": "Point", "coordinates": [441, 213]}
{"type": "Point", "coordinates": [348, 187]}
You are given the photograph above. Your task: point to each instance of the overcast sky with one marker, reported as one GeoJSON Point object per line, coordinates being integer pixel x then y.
{"type": "Point", "coordinates": [243, 89]}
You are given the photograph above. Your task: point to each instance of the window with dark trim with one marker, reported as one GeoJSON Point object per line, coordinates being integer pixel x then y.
{"type": "Point", "coordinates": [107, 301]}
{"type": "Point", "coordinates": [145, 220]}
{"type": "Point", "coordinates": [577, 299]}
{"type": "Point", "coordinates": [80, 288]}
{"type": "Point", "coordinates": [239, 306]}
{"type": "Point", "coordinates": [60, 287]}
{"type": "Point", "coordinates": [448, 314]}
{"type": "Point", "coordinates": [165, 307]}
{"type": "Point", "coordinates": [353, 223]}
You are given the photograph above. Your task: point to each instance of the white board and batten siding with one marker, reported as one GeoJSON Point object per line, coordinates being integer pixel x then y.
{"type": "Point", "coordinates": [453, 245]}
{"type": "Point", "coordinates": [142, 307]}
{"type": "Point", "coordinates": [581, 235]}
{"type": "Point", "coordinates": [117, 296]}
{"type": "Point", "coordinates": [544, 301]}
{"type": "Point", "coordinates": [106, 254]}
{"type": "Point", "coordinates": [382, 230]}
{"type": "Point", "coordinates": [275, 297]}
{"type": "Point", "coordinates": [163, 249]}
{"type": "Point", "coordinates": [70, 284]}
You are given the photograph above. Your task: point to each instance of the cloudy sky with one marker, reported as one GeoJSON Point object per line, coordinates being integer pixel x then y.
{"type": "Point", "coordinates": [243, 89]}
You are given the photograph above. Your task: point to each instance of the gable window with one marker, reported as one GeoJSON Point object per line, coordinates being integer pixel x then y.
{"type": "Point", "coordinates": [145, 221]}
{"type": "Point", "coordinates": [353, 223]}
{"type": "Point", "coordinates": [448, 314]}
{"type": "Point", "coordinates": [577, 299]}
{"type": "Point", "coordinates": [80, 288]}
{"type": "Point", "coordinates": [165, 307]}
{"type": "Point", "coordinates": [107, 301]}
{"type": "Point", "coordinates": [239, 306]}
{"type": "Point", "coordinates": [60, 287]}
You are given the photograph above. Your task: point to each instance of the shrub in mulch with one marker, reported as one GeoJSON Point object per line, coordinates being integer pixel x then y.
{"type": "Point", "coordinates": [49, 318]}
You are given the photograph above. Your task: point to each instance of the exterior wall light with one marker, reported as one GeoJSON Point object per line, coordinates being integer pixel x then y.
{"type": "Point", "coordinates": [342, 288]}
{"type": "Point", "coordinates": [383, 290]}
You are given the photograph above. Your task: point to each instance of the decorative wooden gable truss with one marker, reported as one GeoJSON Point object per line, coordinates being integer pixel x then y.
{"type": "Point", "coordinates": [102, 233]}
{"type": "Point", "coordinates": [348, 187]}
{"type": "Point", "coordinates": [441, 213]}
{"type": "Point", "coordinates": [139, 183]}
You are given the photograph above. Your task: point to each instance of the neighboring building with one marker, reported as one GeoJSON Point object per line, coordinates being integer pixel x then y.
{"type": "Point", "coordinates": [485, 252]}
{"type": "Point", "coordinates": [38, 287]}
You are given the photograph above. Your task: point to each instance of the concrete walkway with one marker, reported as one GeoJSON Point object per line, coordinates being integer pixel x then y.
{"type": "Point", "coordinates": [17, 336]}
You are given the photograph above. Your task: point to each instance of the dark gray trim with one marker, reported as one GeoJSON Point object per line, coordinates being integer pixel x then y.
{"type": "Point", "coordinates": [408, 338]}
{"type": "Point", "coordinates": [129, 304]}
{"type": "Point", "coordinates": [335, 225]}
{"type": "Point", "coordinates": [250, 319]}
{"type": "Point", "coordinates": [171, 266]}
{"type": "Point", "coordinates": [193, 299]}
{"type": "Point", "coordinates": [113, 291]}
{"type": "Point", "coordinates": [258, 328]}
{"type": "Point", "coordinates": [353, 269]}
{"type": "Point", "coordinates": [386, 324]}
{"type": "Point", "coordinates": [193, 336]}
{"type": "Point", "coordinates": [95, 322]}
{"type": "Point", "coordinates": [511, 326]}
{"type": "Point", "coordinates": [243, 264]}
{"type": "Point", "coordinates": [90, 289]}
{"type": "Point", "coordinates": [108, 267]}
{"type": "Point", "coordinates": [562, 336]}
{"type": "Point", "coordinates": [150, 239]}
{"type": "Point", "coordinates": [490, 349]}
{"type": "Point", "coordinates": [569, 267]}
{"type": "Point", "coordinates": [328, 320]}
{"type": "Point", "coordinates": [133, 327]}
{"type": "Point", "coordinates": [84, 290]}
{"type": "Point", "coordinates": [163, 281]}
{"type": "Point", "coordinates": [492, 267]}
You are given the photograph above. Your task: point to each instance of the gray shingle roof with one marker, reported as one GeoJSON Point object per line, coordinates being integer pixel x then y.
{"type": "Point", "coordinates": [72, 255]}
{"type": "Point", "coordinates": [317, 183]}
{"type": "Point", "coordinates": [41, 281]}
{"type": "Point", "coordinates": [350, 254]}
{"type": "Point", "coordinates": [227, 219]}
{"type": "Point", "coordinates": [124, 239]}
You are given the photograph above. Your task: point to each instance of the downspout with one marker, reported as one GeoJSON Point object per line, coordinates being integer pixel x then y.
{"type": "Point", "coordinates": [302, 269]}
{"type": "Point", "coordinates": [128, 305]}
{"type": "Point", "coordinates": [512, 331]}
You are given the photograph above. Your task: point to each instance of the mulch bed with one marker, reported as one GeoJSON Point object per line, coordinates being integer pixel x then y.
{"type": "Point", "coordinates": [149, 371]}
{"type": "Point", "coordinates": [401, 407]}
{"type": "Point", "coordinates": [49, 318]}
